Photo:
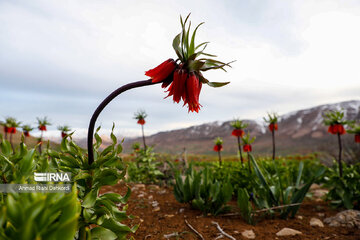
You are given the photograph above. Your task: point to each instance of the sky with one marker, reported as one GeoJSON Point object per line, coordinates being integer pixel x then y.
{"type": "Point", "coordinates": [60, 59]}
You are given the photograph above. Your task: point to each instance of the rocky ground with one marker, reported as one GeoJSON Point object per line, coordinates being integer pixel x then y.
{"type": "Point", "coordinates": [161, 217]}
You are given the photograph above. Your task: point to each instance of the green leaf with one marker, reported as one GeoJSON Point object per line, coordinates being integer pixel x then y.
{"type": "Point", "coordinates": [192, 43]}
{"type": "Point", "coordinates": [262, 179]}
{"type": "Point", "coordinates": [301, 167]}
{"type": "Point", "coordinates": [217, 84]}
{"type": "Point", "coordinates": [90, 198]}
{"type": "Point", "coordinates": [102, 233]}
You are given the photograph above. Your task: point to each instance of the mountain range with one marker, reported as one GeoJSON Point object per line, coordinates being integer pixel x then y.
{"type": "Point", "coordinates": [300, 132]}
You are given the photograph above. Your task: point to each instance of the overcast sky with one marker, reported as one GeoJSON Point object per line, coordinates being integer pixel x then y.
{"type": "Point", "coordinates": [62, 58]}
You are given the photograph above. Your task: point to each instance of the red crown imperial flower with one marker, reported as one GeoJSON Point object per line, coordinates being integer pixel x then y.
{"type": "Point", "coordinates": [185, 79]}
{"type": "Point", "coordinates": [247, 148]}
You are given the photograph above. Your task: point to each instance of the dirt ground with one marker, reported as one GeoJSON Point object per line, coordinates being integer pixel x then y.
{"type": "Point", "coordinates": [161, 216]}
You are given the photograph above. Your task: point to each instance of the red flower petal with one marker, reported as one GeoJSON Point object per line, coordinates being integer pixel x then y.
{"type": "Point", "coordinates": [357, 138]}
{"type": "Point", "coordinates": [247, 148]}
{"type": "Point", "coordinates": [141, 121]}
{"type": "Point", "coordinates": [162, 71]}
{"type": "Point", "coordinates": [218, 148]}
{"type": "Point", "coordinates": [237, 133]}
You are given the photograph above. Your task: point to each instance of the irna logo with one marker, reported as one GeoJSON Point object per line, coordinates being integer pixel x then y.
{"type": "Point", "coordinates": [52, 177]}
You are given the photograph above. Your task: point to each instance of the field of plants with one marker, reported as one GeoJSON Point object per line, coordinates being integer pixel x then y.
{"type": "Point", "coordinates": [148, 195]}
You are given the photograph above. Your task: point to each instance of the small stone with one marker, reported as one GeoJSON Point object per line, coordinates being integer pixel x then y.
{"type": "Point", "coordinates": [321, 215]}
{"type": "Point", "coordinates": [157, 209]}
{"type": "Point", "coordinates": [141, 220]}
{"type": "Point", "coordinates": [300, 217]}
{"type": "Point", "coordinates": [181, 210]}
{"type": "Point", "coordinates": [141, 195]}
{"type": "Point", "coordinates": [140, 185]}
{"type": "Point", "coordinates": [315, 222]}
{"type": "Point", "coordinates": [161, 192]}
{"type": "Point", "coordinates": [236, 232]}
{"type": "Point", "coordinates": [319, 193]}
{"type": "Point", "coordinates": [248, 234]}
{"type": "Point", "coordinates": [151, 197]}
{"type": "Point", "coordinates": [288, 232]}
{"type": "Point", "coordinates": [155, 203]}
{"type": "Point", "coordinates": [169, 215]}
{"type": "Point", "coordinates": [314, 186]}
{"type": "Point", "coordinates": [154, 187]}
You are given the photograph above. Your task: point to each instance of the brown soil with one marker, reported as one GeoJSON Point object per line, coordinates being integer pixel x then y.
{"type": "Point", "coordinates": [170, 218]}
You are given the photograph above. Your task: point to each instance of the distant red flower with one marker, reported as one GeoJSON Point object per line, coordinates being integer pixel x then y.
{"type": "Point", "coordinates": [273, 127]}
{"type": "Point", "coordinates": [357, 138]}
{"type": "Point", "coordinates": [247, 148]}
{"type": "Point", "coordinates": [141, 121]}
{"type": "Point", "coordinates": [237, 133]}
{"type": "Point", "coordinates": [42, 128]}
{"type": "Point", "coordinates": [7, 129]}
{"type": "Point", "coordinates": [12, 130]}
{"type": "Point", "coordinates": [26, 134]}
{"type": "Point", "coordinates": [337, 128]}
{"type": "Point", "coordinates": [63, 134]}
{"type": "Point", "coordinates": [162, 71]}
{"type": "Point", "coordinates": [218, 148]}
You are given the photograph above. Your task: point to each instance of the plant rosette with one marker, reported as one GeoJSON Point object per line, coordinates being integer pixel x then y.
{"type": "Point", "coordinates": [272, 120]}
{"type": "Point", "coordinates": [335, 121]}
{"type": "Point", "coordinates": [218, 145]}
{"type": "Point", "coordinates": [140, 117]}
{"type": "Point", "coordinates": [183, 76]}
{"type": "Point", "coordinates": [239, 127]}
{"type": "Point", "coordinates": [247, 142]}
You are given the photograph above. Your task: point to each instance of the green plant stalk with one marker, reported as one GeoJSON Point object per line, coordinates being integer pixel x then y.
{"type": "Point", "coordinates": [11, 143]}
{"type": "Point", "coordinates": [220, 161]}
{"type": "Point", "coordinates": [340, 153]}
{"type": "Point", "coordinates": [143, 136]}
{"type": "Point", "coordinates": [249, 164]}
{"type": "Point", "coordinates": [41, 137]}
{"type": "Point", "coordinates": [273, 143]}
{"type": "Point", "coordinates": [239, 146]}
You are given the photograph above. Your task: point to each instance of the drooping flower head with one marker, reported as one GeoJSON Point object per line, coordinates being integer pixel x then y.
{"type": "Point", "coordinates": [140, 116]}
{"type": "Point", "coordinates": [335, 121]}
{"type": "Point", "coordinates": [247, 140]}
{"type": "Point", "coordinates": [272, 120]}
{"type": "Point", "coordinates": [136, 146]}
{"type": "Point", "coordinates": [27, 129]}
{"type": "Point", "coordinates": [183, 76]}
{"type": "Point", "coordinates": [43, 123]}
{"type": "Point", "coordinates": [10, 125]}
{"type": "Point", "coordinates": [218, 144]}
{"type": "Point", "coordinates": [355, 129]}
{"type": "Point", "coordinates": [239, 127]}
{"type": "Point", "coordinates": [64, 130]}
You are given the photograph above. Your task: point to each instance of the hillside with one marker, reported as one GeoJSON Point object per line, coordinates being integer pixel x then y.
{"type": "Point", "coordinates": [299, 132]}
